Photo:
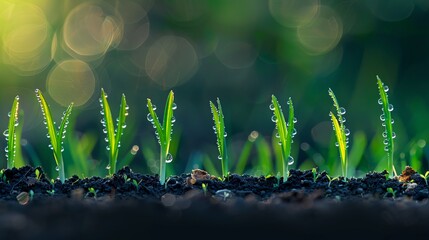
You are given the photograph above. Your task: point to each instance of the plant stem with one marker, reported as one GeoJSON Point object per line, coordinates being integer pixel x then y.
{"type": "Point", "coordinates": [162, 164]}
{"type": "Point", "coordinates": [61, 170]}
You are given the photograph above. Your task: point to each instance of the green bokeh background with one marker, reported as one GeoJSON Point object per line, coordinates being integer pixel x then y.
{"type": "Point", "coordinates": [240, 51]}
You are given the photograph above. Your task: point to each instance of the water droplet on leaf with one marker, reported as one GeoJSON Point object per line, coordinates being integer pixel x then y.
{"type": "Point", "coordinates": [168, 158]}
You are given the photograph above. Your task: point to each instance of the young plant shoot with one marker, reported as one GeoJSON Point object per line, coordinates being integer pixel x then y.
{"type": "Point", "coordinates": [163, 132]}
{"type": "Point", "coordinates": [114, 136]}
{"type": "Point", "coordinates": [10, 134]}
{"type": "Point", "coordinates": [387, 123]}
{"type": "Point", "coordinates": [56, 137]}
{"type": "Point", "coordinates": [285, 132]}
{"type": "Point", "coordinates": [341, 132]}
{"type": "Point", "coordinates": [219, 129]}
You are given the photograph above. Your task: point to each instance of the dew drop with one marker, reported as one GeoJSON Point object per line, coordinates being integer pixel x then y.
{"type": "Point", "coordinates": [106, 139]}
{"type": "Point", "coordinates": [380, 101]}
{"type": "Point", "coordinates": [280, 143]}
{"type": "Point", "coordinates": [149, 117]}
{"type": "Point", "coordinates": [330, 114]}
{"type": "Point", "coordinates": [6, 133]}
{"type": "Point", "coordinates": [274, 118]}
{"type": "Point", "coordinates": [295, 120]}
{"type": "Point", "coordinates": [174, 106]}
{"type": "Point", "coordinates": [382, 117]}
{"type": "Point", "coordinates": [386, 142]}
{"type": "Point", "coordinates": [9, 114]}
{"type": "Point", "coordinates": [168, 158]}
{"type": "Point", "coordinates": [390, 108]}
{"type": "Point", "coordinates": [341, 111]}
{"type": "Point", "coordinates": [347, 132]}
{"type": "Point", "coordinates": [392, 121]}
{"type": "Point", "coordinates": [154, 107]}
{"type": "Point", "coordinates": [272, 107]}
{"type": "Point", "coordinates": [290, 160]}
{"type": "Point", "coordinates": [108, 167]}
{"type": "Point", "coordinates": [277, 135]}
{"type": "Point", "coordinates": [386, 88]}
{"type": "Point", "coordinates": [393, 135]}
{"type": "Point", "coordinates": [219, 157]}
{"type": "Point", "coordinates": [173, 119]}
{"type": "Point", "coordinates": [104, 130]}
{"type": "Point", "coordinates": [57, 168]}
{"type": "Point", "coordinates": [124, 125]}
{"type": "Point", "coordinates": [294, 132]}
{"type": "Point", "coordinates": [107, 148]}
{"type": "Point", "coordinates": [386, 148]}
{"type": "Point", "coordinates": [337, 144]}
{"type": "Point", "coordinates": [384, 134]}
{"type": "Point", "coordinates": [6, 149]}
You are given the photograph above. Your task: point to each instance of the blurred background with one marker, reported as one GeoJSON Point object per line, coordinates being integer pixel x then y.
{"type": "Point", "coordinates": [241, 51]}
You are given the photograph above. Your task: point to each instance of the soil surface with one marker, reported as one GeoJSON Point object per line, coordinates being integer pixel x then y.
{"type": "Point", "coordinates": [199, 206]}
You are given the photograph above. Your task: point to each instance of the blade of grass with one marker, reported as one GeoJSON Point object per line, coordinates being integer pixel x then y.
{"type": "Point", "coordinates": [387, 123]}
{"type": "Point", "coordinates": [114, 135]}
{"type": "Point", "coordinates": [56, 137]}
{"type": "Point", "coordinates": [286, 131]}
{"type": "Point", "coordinates": [341, 133]}
{"type": "Point", "coordinates": [163, 132]}
{"type": "Point", "coordinates": [10, 134]}
{"type": "Point", "coordinates": [219, 127]}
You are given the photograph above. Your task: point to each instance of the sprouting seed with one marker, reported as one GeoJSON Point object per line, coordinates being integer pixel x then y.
{"type": "Point", "coordinates": [286, 131]}
{"type": "Point", "coordinates": [55, 136]}
{"type": "Point", "coordinates": [113, 134]}
{"type": "Point", "coordinates": [386, 118]}
{"type": "Point", "coordinates": [341, 132]}
{"type": "Point", "coordinates": [163, 132]}
{"type": "Point", "coordinates": [219, 127]}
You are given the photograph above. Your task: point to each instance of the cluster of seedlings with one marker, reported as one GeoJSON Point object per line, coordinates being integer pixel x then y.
{"type": "Point", "coordinates": [285, 131]}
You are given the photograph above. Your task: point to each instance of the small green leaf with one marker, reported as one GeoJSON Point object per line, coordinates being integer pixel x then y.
{"type": "Point", "coordinates": [219, 127]}
{"type": "Point", "coordinates": [10, 134]}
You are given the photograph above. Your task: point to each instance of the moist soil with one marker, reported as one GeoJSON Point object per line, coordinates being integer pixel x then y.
{"type": "Point", "coordinates": [196, 205]}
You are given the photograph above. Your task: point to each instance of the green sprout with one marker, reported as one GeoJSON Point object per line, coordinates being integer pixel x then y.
{"type": "Point", "coordinates": [285, 132]}
{"type": "Point", "coordinates": [391, 192]}
{"type": "Point", "coordinates": [219, 129]}
{"type": "Point", "coordinates": [204, 187]}
{"type": "Point", "coordinates": [56, 137]}
{"type": "Point", "coordinates": [425, 177]}
{"type": "Point", "coordinates": [92, 191]}
{"type": "Point", "coordinates": [163, 132]}
{"type": "Point", "coordinates": [314, 172]}
{"type": "Point", "coordinates": [10, 134]}
{"type": "Point", "coordinates": [114, 136]}
{"type": "Point", "coordinates": [341, 132]}
{"type": "Point", "coordinates": [387, 123]}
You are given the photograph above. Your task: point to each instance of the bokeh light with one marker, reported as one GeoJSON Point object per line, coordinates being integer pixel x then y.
{"type": "Point", "coordinates": [90, 30]}
{"type": "Point", "coordinates": [323, 33]}
{"type": "Point", "coordinates": [391, 10]}
{"type": "Point", "coordinates": [26, 39]}
{"type": "Point", "coordinates": [171, 61]}
{"type": "Point", "coordinates": [71, 81]}
{"type": "Point", "coordinates": [294, 13]}
{"type": "Point", "coordinates": [236, 53]}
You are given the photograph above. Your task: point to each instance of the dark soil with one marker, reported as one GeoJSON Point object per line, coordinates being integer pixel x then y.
{"type": "Point", "coordinates": [130, 204]}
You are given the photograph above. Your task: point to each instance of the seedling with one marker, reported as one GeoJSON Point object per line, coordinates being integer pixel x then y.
{"type": "Point", "coordinates": [285, 132]}
{"type": "Point", "coordinates": [38, 174]}
{"type": "Point", "coordinates": [425, 177]}
{"type": "Point", "coordinates": [51, 192]}
{"type": "Point", "coordinates": [92, 191]}
{"type": "Point", "coordinates": [204, 187]}
{"type": "Point", "coordinates": [390, 191]}
{"type": "Point", "coordinates": [56, 137]}
{"type": "Point", "coordinates": [219, 129]}
{"type": "Point", "coordinates": [341, 132]}
{"type": "Point", "coordinates": [163, 132]}
{"type": "Point", "coordinates": [10, 134]}
{"type": "Point", "coordinates": [331, 179]}
{"type": "Point", "coordinates": [387, 123]}
{"type": "Point", "coordinates": [114, 136]}
{"type": "Point", "coordinates": [314, 171]}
